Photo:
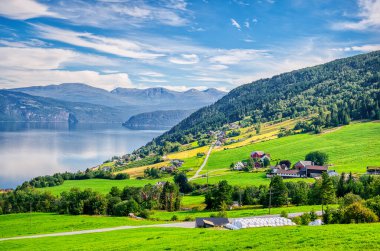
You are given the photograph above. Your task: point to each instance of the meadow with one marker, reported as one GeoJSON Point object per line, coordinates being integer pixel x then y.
{"type": "Point", "coordinates": [350, 148]}
{"type": "Point", "coordinates": [40, 223]}
{"type": "Point", "coordinates": [327, 237]}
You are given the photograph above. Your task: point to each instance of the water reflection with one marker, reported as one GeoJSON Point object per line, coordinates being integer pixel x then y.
{"type": "Point", "coordinates": [32, 149]}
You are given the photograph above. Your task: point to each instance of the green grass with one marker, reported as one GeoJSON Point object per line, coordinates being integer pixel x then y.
{"type": "Point", "coordinates": [39, 223]}
{"type": "Point", "coordinates": [192, 201]}
{"type": "Point", "coordinates": [350, 148]}
{"type": "Point", "coordinates": [236, 213]}
{"type": "Point", "coordinates": [100, 185]}
{"type": "Point", "coordinates": [328, 237]}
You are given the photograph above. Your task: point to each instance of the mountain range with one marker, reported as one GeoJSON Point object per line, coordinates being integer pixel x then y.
{"type": "Point", "coordinates": [84, 103]}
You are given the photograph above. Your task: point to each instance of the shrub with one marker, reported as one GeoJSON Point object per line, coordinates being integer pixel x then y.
{"type": "Point", "coordinates": [349, 199]}
{"type": "Point", "coordinates": [222, 214]}
{"type": "Point", "coordinates": [357, 213]}
{"type": "Point", "coordinates": [313, 215]}
{"type": "Point", "coordinates": [145, 214]}
{"type": "Point", "coordinates": [284, 214]}
{"type": "Point", "coordinates": [174, 218]}
{"type": "Point", "coordinates": [305, 219]}
{"type": "Point", "coordinates": [121, 176]}
{"type": "Point", "coordinates": [297, 220]}
{"type": "Point", "coordinates": [189, 218]}
{"type": "Point", "coordinates": [374, 205]}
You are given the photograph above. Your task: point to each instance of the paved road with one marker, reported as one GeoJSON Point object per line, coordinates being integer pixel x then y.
{"type": "Point", "coordinates": [196, 175]}
{"type": "Point", "coordinates": [189, 224]}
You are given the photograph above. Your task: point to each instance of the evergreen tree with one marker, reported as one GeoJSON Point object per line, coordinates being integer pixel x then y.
{"type": "Point", "coordinates": [327, 190]}
{"type": "Point", "coordinates": [279, 191]}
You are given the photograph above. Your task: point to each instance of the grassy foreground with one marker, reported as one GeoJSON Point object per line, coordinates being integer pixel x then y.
{"type": "Point", "coordinates": [328, 237]}
{"type": "Point", "coordinates": [41, 223]}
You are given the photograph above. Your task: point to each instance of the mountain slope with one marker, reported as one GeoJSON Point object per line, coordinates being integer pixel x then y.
{"type": "Point", "coordinates": [17, 106]}
{"type": "Point", "coordinates": [157, 119]}
{"type": "Point", "coordinates": [345, 87]}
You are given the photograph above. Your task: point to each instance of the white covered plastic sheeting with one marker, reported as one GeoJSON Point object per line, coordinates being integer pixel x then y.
{"type": "Point", "coordinates": [317, 222]}
{"type": "Point", "coordinates": [260, 222]}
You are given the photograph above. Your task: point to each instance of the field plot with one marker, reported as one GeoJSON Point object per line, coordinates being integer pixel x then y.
{"type": "Point", "coordinates": [328, 237]}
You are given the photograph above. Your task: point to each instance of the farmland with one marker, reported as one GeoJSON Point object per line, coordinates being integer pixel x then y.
{"type": "Point", "coordinates": [329, 237]}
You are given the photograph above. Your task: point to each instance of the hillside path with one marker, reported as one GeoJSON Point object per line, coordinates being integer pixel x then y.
{"type": "Point", "coordinates": [196, 175]}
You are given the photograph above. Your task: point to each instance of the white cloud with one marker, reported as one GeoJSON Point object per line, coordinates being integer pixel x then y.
{"type": "Point", "coordinates": [119, 47]}
{"type": "Point", "coordinates": [369, 15]}
{"type": "Point", "coordinates": [121, 14]}
{"type": "Point", "coordinates": [21, 78]}
{"type": "Point", "coordinates": [25, 9]}
{"type": "Point", "coordinates": [181, 88]}
{"type": "Point", "coordinates": [236, 56]}
{"type": "Point", "coordinates": [361, 48]}
{"type": "Point", "coordinates": [246, 24]}
{"type": "Point", "coordinates": [235, 23]}
{"type": "Point", "coordinates": [152, 74]}
{"type": "Point", "coordinates": [185, 59]}
{"type": "Point", "coordinates": [218, 67]}
{"type": "Point", "coordinates": [152, 80]}
{"type": "Point", "coordinates": [47, 58]}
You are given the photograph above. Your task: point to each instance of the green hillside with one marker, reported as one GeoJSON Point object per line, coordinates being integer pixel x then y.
{"type": "Point", "coordinates": [340, 91]}
{"type": "Point", "coordinates": [350, 148]}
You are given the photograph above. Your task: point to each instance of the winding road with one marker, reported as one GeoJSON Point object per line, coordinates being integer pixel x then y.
{"type": "Point", "coordinates": [196, 175]}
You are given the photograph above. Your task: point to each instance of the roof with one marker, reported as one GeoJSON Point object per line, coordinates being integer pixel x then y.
{"type": "Point", "coordinates": [200, 222]}
{"type": "Point", "coordinates": [287, 171]}
{"type": "Point", "coordinates": [258, 152]}
{"type": "Point", "coordinates": [373, 167]}
{"type": "Point", "coordinates": [305, 162]}
{"type": "Point", "coordinates": [321, 168]}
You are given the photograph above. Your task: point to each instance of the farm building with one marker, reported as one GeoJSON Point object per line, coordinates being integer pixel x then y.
{"type": "Point", "coordinates": [312, 171]}
{"type": "Point", "coordinates": [302, 164]}
{"type": "Point", "coordinates": [375, 170]}
{"type": "Point", "coordinates": [211, 222]}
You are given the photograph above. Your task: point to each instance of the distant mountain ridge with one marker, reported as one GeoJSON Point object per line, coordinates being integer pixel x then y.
{"type": "Point", "coordinates": [157, 119]}
{"type": "Point", "coordinates": [17, 106]}
{"type": "Point", "coordinates": [122, 103]}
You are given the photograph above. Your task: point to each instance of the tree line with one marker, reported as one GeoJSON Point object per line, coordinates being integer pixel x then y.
{"type": "Point", "coordinates": [118, 202]}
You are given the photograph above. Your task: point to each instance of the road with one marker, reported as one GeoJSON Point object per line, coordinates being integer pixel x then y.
{"type": "Point", "coordinates": [196, 175]}
{"type": "Point", "coordinates": [188, 224]}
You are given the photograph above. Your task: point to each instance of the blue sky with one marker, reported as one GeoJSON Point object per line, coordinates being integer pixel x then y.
{"type": "Point", "coordinates": [177, 44]}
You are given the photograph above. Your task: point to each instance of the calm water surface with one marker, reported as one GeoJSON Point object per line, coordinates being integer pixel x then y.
{"type": "Point", "coordinates": [28, 150]}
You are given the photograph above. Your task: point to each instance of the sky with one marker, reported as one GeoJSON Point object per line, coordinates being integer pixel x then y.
{"type": "Point", "coordinates": [177, 44]}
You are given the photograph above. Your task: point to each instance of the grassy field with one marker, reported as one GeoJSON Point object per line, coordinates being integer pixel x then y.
{"type": "Point", "coordinates": [100, 185]}
{"type": "Point", "coordinates": [328, 237]}
{"type": "Point", "coordinates": [193, 201]}
{"type": "Point", "coordinates": [40, 223]}
{"type": "Point", "coordinates": [351, 148]}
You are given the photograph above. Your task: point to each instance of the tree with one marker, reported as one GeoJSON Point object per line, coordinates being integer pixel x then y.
{"type": "Point", "coordinates": [319, 158]}
{"type": "Point", "coordinates": [359, 214]}
{"type": "Point", "coordinates": [181, 180]}
{"type": "Point", "coordinates": [279, 191]}
{"type": "Point", "coordinates": [219, 195]}
{"type": "Point", "coordinates": [169, 198]}
{"type": "Point", "coordinates": [286, 163]}
{"type": "Point", "coordinates": [266, 162]}
{"type": "Point", "coordinates": [327, 190]}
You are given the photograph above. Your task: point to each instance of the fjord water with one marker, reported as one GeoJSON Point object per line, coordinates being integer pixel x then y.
{"type": "Point", "coordinates": [28, 150]}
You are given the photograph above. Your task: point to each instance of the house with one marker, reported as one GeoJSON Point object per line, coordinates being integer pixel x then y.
{"type": "Point", "coordinates": [302, 164]}
{"type": "Point", "coordinates": [177, 162]}
{"type": "Point", "coordinates": [374, 170]}
{"type": "Point", "coordinates": [239, 166]}
{"type": "Point", "coordinates": [257, 154]}
{"type": "Point", "coordinates": [211, 222]}
{"type": "Point", "coordinates": [288, 173]}
{"type": "Point", "coordinates": [160, 183]}
{"type": "Point", "coordinates": [168, 169]}
{"type": "Point", "coordinates": [218, 143]}
{"type": "Point", "coordinates": [312, 171]}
